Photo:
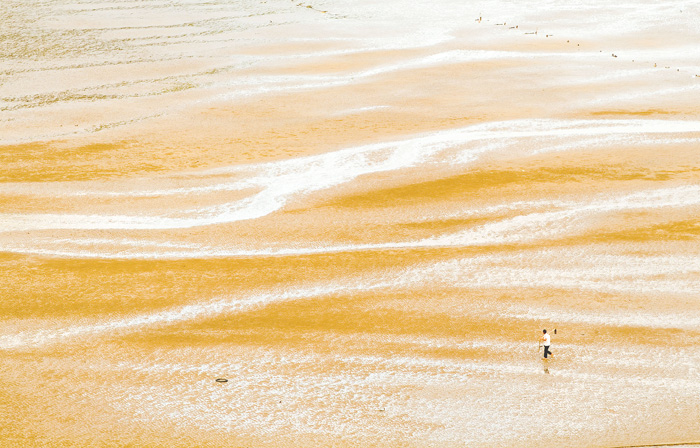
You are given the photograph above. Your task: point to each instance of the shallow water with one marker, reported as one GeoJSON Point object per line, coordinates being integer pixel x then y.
{"type": "Point", "coordinates": [360, 215]}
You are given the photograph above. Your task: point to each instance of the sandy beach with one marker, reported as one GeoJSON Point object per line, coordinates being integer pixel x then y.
{"type": "Point", "coordinates": [358, 217]}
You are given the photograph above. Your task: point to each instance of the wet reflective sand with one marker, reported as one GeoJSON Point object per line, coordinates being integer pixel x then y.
{"type": "Point", "coordinates": [360, 215]}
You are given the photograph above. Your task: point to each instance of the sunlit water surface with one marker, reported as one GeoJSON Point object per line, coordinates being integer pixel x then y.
{"type": "Point", "coordinates": [360, 214]}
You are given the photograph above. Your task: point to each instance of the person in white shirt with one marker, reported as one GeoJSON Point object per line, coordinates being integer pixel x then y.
{"type": "Point", "coordinates": [546, 343]}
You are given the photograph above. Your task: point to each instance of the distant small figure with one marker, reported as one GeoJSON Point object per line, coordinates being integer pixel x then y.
{"type": "Point", "coordinates": [546, 343]}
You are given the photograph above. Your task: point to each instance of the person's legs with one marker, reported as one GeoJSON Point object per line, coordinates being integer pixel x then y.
{"type": "Point", "coordinates": [546, 351]}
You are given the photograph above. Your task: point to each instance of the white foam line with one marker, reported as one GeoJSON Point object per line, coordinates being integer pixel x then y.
{"type": "Point", "coordinates": [122, 241]}
{"type": "Point", "coordinates": [570, 219]}
{"type": "Point", "coordinates": [419, 341]}
{"type": "Point", "coordinates": [359, 110]}
{"type": "Point", "coordinates": [677, 275]}
{"type": "Point", "coordinates": [462, 56]}
{"type": "Point", "coordinates": [280, 181]}
{"type": "Point", "coordinates": [181, 314]}
{"type": "Point", "coordinates": [630, 141]}
{"type": "Point", "coordinates": [286, 83]}
{"type": "Point", "coordinates": [553, 224]}
{"type": "Point", "coordinates": [483, 271]}
{"type": "Point", "coordinates": [314, 358]}
{"type": "Point", "coordinates": [494, 210]}
{"type": "Point", "coordinates": [491, 131]}
{"type": "Point", "coordinates": [100, 190]}
{"type": "Point", "coordinates": [640, 319]}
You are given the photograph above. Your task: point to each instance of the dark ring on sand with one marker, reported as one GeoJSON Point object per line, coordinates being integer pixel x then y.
{"type": "Point", "coordinates": [221, 380]}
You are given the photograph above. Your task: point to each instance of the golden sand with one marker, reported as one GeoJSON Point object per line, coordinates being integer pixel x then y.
{"type": "Point", "coordinates": [361, 216]}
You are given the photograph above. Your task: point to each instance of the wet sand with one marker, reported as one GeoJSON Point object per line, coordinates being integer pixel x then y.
{"type": "Point", "coordinates": [361, 216]}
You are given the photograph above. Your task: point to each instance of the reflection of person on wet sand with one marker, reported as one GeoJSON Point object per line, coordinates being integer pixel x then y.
{"type": "Point", "coordinates": [545, 340]}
